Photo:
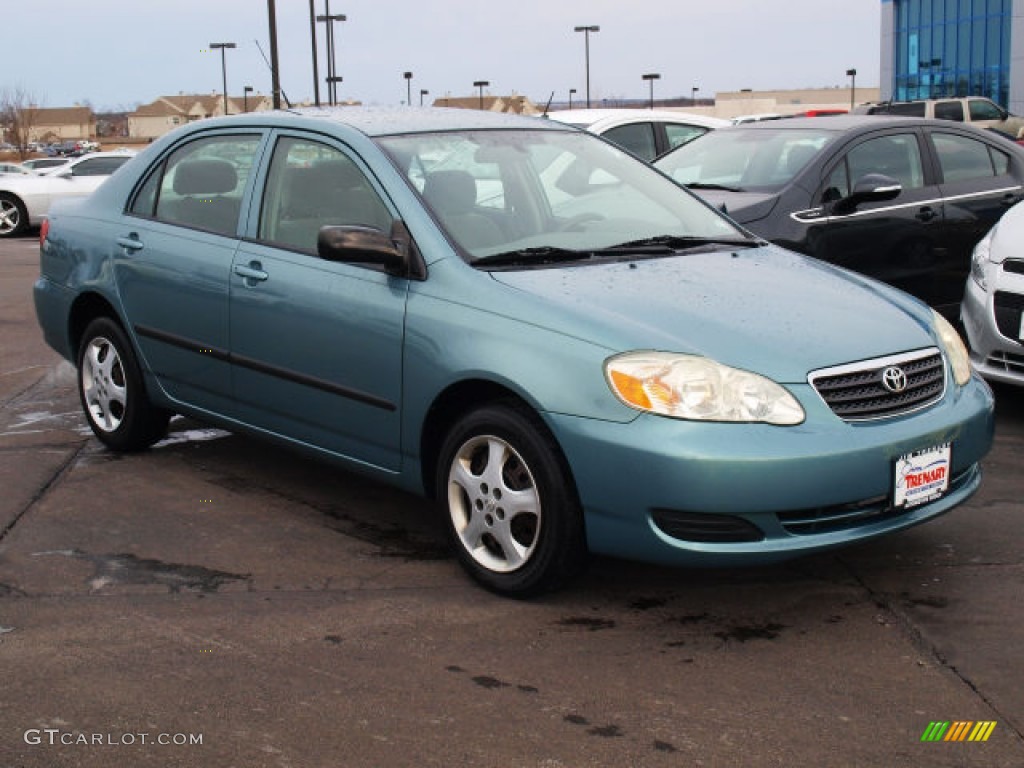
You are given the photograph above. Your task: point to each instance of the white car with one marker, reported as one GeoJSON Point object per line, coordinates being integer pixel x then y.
{"type": "Point", "coordinates": [647, 133]}
{"type": "Point", "coordinates": [40, 164]}
{"type": "Point", "coordinates": [993, 307]}
{"type": "Point", "coordinates": [25, 200]}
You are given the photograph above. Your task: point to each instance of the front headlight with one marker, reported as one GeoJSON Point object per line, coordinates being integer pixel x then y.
{"type": "Point", "coordinates": [691, 387]}
{"type": "Point", "coordinates": [954, 348]}
{"type": "Point", "coordinates": [981, 257]}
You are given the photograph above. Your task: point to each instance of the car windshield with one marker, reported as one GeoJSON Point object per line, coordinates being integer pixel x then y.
{"type": "Point", "coordinates": [539, 195]}
{"type": "Point", "coordinates": [745, 159]}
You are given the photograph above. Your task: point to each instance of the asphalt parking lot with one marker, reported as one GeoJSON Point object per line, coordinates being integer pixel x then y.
{"type": "Point", "coordinates": [219, 602]}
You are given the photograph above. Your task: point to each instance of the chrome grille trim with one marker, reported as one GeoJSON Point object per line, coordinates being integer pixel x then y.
{"type": "Point", "coordinates": [854, 391]}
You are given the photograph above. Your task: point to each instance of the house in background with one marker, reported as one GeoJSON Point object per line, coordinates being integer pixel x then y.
{"type": "Point", "coordinates": [168, 112]}
{"type": "Point", "coordinates": [62, 123]}
{"type": "Point", "coordinates": [519, 105]}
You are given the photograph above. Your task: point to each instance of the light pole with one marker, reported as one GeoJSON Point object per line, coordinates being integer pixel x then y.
{"type": "Point", "coordinates": [852, 74]}
{"type": "Point", "coordinates": [246, 90]}
{"type": "Point", "coordinates": [408, 88]}
{"type": "Point", "coordinates": [332, 86]}
{"type": "Point", "coordinates": [481, 84]}
{"type": "Point", "coordinates": [693, 95]}
{"type": "Point", "coordinates": [423, 92]}
{"type": "Point", "coordinates": [316, 68]}
{"type": "Point", "coordinates": [329, 20]}
{"type": "Point", "coordinates": [223, 67]}
{"type": "Point", "coordinates": [571, 92]}
{"type": "Point", "coordinates": [650, 78]}
{"type": "Point", "coordinates": [586, 30]}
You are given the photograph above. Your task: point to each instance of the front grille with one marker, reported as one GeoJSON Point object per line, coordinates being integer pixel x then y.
{"type": "Point", "coordinates": [842, 517]}
{"type": "Point", "coordinates": [856, 392]}
{"type": "Point", "coordinates": [1014, 265]}
{"type": "Point", "coordinates": [1009, 307]}
{"type": "Point", "coordinates": [1007, 361]}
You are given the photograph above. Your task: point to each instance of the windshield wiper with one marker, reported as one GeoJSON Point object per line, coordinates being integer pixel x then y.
{"type": "Point", "coordinates": [544, 254]}
{"type": "Point", "coordinates": [707, 185]}
{"type": "Point", "coordinates": [663, 243]}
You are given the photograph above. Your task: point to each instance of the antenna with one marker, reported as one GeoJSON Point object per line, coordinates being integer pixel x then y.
{"type": "Point", "coordinates": [283, 94]}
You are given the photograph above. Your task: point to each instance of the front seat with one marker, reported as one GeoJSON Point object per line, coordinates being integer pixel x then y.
{"type": "Point", "coordinates": [452, 197]}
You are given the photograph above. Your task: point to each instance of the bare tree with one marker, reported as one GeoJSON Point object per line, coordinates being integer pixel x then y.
{"type": "Point", "coordinates": [18, 113]}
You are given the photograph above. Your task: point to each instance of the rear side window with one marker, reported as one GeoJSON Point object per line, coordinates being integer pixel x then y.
{"type": "Point", "coordinates": [962, 158]}
{"type": "Point", "coordinates": [949, 110]}
{"type": "Point", "coordinates": [908, 109]}
{"type": "Point", "coordinates": [638, 138]}
{"type": "Point", "coordinates": [200, 185]}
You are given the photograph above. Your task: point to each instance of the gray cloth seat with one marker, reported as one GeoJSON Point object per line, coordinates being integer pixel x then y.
{"type": "Point", "coordinates": [325, 194]}
{"type": "Point", "coordinates": [452, 196]}
{"type": "Point", "coordinates": [204, 186]}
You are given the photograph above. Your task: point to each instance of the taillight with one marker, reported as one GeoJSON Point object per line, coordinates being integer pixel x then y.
{"type": "Point", "coordinates": [43, 230]}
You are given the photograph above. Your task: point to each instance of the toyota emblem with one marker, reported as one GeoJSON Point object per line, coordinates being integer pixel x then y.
{"type": "Point", "coordinates": [894, 379]}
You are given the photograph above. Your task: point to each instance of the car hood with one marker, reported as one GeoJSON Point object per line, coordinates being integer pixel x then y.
{"type": "Point", "coordinates": [741, 207]}
{"type": "Point", "coordinates": [763, 309]}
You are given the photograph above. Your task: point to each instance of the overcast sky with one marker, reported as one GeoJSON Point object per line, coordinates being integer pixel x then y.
{"type": "Point", "coordinates": [119, 53]}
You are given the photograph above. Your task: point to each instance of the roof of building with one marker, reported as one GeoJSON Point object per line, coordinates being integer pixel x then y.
{"type": "Point", "coordinates": [63, 115]}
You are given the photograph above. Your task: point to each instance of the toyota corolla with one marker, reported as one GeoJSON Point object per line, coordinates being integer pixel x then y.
{"type": "Point", "coordinates": [564, 349]}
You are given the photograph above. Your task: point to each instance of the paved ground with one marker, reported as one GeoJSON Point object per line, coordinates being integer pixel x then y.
{"type": "Point", "coordinates": [287, 614]}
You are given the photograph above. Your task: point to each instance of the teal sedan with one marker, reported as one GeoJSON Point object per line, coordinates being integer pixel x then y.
{"type": "Point", "coordinates": [518, 319]}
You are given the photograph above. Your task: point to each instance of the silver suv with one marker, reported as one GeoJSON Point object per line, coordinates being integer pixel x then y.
{"type": "Point", "coordinates": [975, 110]}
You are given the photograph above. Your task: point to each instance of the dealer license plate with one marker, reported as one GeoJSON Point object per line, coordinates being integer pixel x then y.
{"type": "Point", "coordinates": [922, 476]}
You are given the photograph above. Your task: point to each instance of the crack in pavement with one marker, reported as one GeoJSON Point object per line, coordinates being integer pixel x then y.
{"type": "Point", "coordinates": [904, 621]}
{"type": "Point", "coordinates": [64, 468]}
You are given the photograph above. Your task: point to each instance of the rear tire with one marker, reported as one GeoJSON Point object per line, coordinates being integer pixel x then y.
{"type": "Point", "coordinates": [13, 216]}
{"type": "Point", "coordinates": [510, 503]}
{"type": "Point", "coordinates": [112, 391]}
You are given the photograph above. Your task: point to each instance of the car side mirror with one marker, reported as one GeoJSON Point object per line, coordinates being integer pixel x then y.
{"type": "Point", "coordinates": [368, 245]}
{"type": "Point", "coordinates": [872, 187]}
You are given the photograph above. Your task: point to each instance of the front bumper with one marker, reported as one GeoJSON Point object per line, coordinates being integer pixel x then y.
{"type": "Point", "coordinates": [994, 355]}
{"type": "Point", "coordinates": [765, 476]}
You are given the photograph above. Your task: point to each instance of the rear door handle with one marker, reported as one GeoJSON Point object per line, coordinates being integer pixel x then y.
{"type": "Point", "coordinates": [130, 242]}
{"type": "Point", "coordinates": [926, 214]}
{"type": "Point", "coordinates": [253, 273]}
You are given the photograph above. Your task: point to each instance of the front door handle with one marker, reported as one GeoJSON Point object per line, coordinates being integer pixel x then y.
{"type": "Point", "coordinates": [253, 273]}
{"type": "Point", "coordinates": [130, 242]}
{"type": "Point", "coordinates": [926, 214]}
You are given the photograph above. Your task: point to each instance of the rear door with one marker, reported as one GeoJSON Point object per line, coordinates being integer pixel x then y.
{"type": "Point", "coordinates": [174, 250]}
{"type": "Point", "coordinates": [316, 345]}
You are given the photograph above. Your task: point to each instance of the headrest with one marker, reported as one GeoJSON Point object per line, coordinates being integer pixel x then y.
{"type": "Point", "coordinates": [205, 177]}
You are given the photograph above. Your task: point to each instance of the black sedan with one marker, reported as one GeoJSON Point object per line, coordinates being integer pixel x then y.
{"type": "Point", "coordinates": [901, 199]}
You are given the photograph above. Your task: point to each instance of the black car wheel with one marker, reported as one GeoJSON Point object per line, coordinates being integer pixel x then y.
{"type": "Point", "coordinates": [511, 506]}
{"type": "Point", "coordinates": [112, 392]}
{"type": "Point", "coordinates": [13, 216]}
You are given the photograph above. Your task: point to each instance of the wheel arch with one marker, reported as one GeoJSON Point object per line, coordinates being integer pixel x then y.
{"type": "Point", "coordinates": [459, 399]}
{"type": "Point", "coordinates": [86, 308]}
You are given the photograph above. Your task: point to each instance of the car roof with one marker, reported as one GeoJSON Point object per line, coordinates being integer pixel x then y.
{"type": "Point", "coordinates": [605, 117]}
{"type": "Point", "coordinates": [850, 122]}
{"type": "Point", "coordinates": [388, 121]}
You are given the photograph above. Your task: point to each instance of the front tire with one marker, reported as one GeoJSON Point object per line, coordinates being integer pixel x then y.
{"type": "Point", "coordinates": [112, 392]}
{"type": "Point", "coordinates": [511, 506]}
{"type": "Point", "coordinates": [13, 216]}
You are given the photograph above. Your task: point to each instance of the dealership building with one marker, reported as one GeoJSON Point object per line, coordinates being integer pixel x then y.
{"type": "Point", "coordinates": [936, 48]}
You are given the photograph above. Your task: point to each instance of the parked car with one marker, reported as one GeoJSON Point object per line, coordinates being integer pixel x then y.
{"type": "Point", "coordinates": [39, 164]}
{"type": "Point", "coordinates": [568, 361]}
{"type": "Point", "coordinates": [899, 199]}
{"type": "Point", "coordinates": [14, 169]}
{"type": "Point", "coordinates": [993, 308]}
{"type": "Point", "coordinates": [976, 110]}
{"type": "Point", "coordinates": [644, 132]}
{"type": "Point", "coordinates": [25, 200]}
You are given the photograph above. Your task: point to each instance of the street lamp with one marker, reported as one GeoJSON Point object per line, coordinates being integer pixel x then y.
{"type": "Point", "coordinates": [408, 88]}
{"type": "Point", "coordinates": [332, 87]}
{"type": "Point", "coordinates": [650, 78]}
{"type": "Point", "coordinates": [586, 30]}
{"type": "Point", "coordinates": [571, 92]}
{"type": "Point", "coordinates": [223, 67]}
{"type": "Point", "coordinates": [423, 92]}
{"type": "Point", "coordinates": [316, 68]}
{"type": "Point", "coordinates": [246, 90]}
{"type": "Point", "coordinates": [328, 20]}
{"type": "Point", "coordinates": [852, 74]}
{"type": "Point", "coordinates": [693, 95]}
{"type": "Point", "coordinates": [481, 84]}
